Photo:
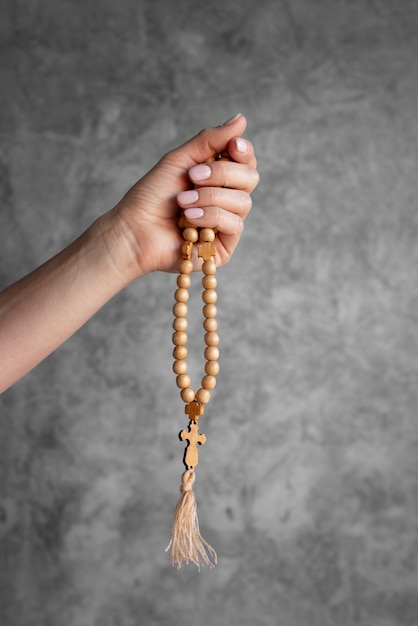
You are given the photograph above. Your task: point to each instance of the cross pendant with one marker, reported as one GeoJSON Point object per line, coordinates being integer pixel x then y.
{"type": "Point", "coordinates": [191, 458]}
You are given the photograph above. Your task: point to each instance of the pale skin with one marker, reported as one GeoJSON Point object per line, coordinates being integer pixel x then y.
{"type": "Point", "coordinates": [139, 235]}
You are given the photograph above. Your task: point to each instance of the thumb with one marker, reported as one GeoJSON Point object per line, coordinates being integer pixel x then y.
{"type": "Point", "coordinates": [208, 142]}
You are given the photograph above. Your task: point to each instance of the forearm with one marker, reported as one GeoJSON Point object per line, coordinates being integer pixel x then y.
{"type": "Point", "coordinates": [42, 310]}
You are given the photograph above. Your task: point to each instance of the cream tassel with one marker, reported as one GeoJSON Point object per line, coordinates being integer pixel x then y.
{"type": "Point", "coordinates": [187, 545]}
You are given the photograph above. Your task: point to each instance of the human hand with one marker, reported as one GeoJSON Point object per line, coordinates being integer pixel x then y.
{"type": "Point", "coordinates": [147, 215]}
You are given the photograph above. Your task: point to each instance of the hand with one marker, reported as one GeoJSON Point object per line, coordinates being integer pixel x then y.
{"type": "Point", "coordinates": [147, 215]}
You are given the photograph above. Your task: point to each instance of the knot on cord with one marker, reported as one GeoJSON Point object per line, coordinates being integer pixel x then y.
{"type": "Point", "coordinates": [187, 480]}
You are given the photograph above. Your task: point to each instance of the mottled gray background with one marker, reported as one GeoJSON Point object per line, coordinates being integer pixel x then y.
{"type": "Point", "coordinates": [308, 484]}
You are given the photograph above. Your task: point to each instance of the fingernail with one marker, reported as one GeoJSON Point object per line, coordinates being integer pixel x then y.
{"type": "Point", "coordinates": [232, 119]}
{"type": "Point", "coordinates": [242, 145]}
{"type": "Point", "coordinates": [193, 213]}
{"type": "Point", "coordinates": [188, 197]}
{"type": "Point", "coordinates": [200, 172]}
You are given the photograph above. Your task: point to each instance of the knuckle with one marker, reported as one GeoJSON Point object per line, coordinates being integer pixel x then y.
{"type": "Point", "coordinates": [256, 179]}
{"type": "Point", "coordinates": [214, 196]}
{"type": "Point", "coordinates": [222, 166]}
{"type": "Point", "coordinates": [240, 226]}
{"type": "Point", "coordinates": [245, 201]}
{"type": "Point", "coordinates": [203, 134]}
{"type": "Point", "coordinates": [222, 173]}
{"type": "Point", "coordinates": [229, 223]}
{"type": "Point", "coordinates": [248, 203]}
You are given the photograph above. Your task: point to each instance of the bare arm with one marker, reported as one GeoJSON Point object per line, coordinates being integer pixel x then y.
{"type": "Point", "coordinates": [139, 235]}
{"type": "Point", "coordinates": [43, 309]}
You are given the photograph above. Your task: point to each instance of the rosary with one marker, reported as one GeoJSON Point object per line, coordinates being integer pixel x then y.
{"type": "Point", "coordinates": [187, 545]}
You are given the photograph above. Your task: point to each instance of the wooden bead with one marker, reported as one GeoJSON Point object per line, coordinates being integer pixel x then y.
{"type": "Point", "coordinates": [181, 295]}
{"type": "Point", "coordinates": [187, 395]}
{"type": "Point", "coordinates": [180, 367]}
{"type": "Point", "coordinates": [209, 267]}
{"type": "Point", "coordinates": [209, 310]}
{"type": "Point", "coordinates": [209, 382]}
{"type": "Point", "coordinates": [212, 339]}
{"type": "Point", "coordinates": [209, 296]}
{"type": "Point", "coordinates": [179, 338]}
{"type": "Point", "coordinates": [184, 280]}
{"type": "Point", "coordinates": [190, 234]}
{"type": "Point", "coordinates": [206, 234]}
{"type": "Point", "coordinates": [209, 282]}
{"type": "Point", "coordinates": [181, 323]}
{"type": "Point", "coordinates": [211, 368]}
{"type": "Point", "coordinates": [183, 381]}
{"type": "Point", "coordinates": [185, 266]}
{"type": "Point", "coordinates": [203, 396]}
{"type": "Point", "coordinates": [180, 353]}
{"type": "Point", "coordinates": [180, 309]}
{"type": "Point", "coordinates": [212, 353]}
{"type": "Point", "coordinates": [210, 325]}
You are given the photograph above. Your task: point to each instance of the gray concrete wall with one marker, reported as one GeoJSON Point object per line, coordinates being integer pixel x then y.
{"type": "Point", "coordinates": [308, 484]}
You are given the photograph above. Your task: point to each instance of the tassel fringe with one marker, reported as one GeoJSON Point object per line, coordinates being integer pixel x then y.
{"type": "Point", "coordinates": [187, 545]}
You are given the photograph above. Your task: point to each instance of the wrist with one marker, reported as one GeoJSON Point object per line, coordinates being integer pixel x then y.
{"type": "Point", "coordinates": [119, 247]}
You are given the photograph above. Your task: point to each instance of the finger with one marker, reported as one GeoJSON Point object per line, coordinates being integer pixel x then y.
{"type": "Point", "coordinates": [242, 151]}
{"type": "Point", "coordinates": [225, 222]}
{"type": "Point", "coordinates": [233, 200]}
{"type": "Point", "coordinates": [225, 174]}
{"type": "Point", "coordinates": [207, 143]}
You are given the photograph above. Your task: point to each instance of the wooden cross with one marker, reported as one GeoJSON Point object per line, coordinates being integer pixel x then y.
{"type": "Point", "coordinates": [192, 436]}
{"type": "Point", "coordinates": [207, 251]}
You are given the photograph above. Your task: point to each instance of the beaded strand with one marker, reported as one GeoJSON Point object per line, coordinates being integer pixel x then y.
{"type": "Point", "coordinates": [187, 545]}
{"type": "Point", "coordinates": [210, 324]}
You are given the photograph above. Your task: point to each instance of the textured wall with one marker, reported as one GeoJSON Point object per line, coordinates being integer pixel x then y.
{"type": "Point", "coordinates": [308, 484]}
